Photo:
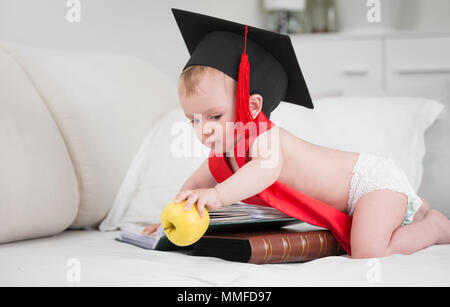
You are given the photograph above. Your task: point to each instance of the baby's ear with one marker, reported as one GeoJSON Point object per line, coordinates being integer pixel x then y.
{"type": "Point", "coordinates": [255, 103]}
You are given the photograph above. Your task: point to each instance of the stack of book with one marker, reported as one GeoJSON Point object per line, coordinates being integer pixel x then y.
{"type": "Point", "coordinates": [246, 233]}
{"type": "Point", "coordinates": [245, 212]}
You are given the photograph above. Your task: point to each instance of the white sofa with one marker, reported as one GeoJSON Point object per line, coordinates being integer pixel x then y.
{"type": "Point", "coordinates": [70, 124]}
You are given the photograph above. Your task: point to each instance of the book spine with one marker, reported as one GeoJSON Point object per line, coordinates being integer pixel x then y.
{"type": "Point", "coordinates": [296, 247]}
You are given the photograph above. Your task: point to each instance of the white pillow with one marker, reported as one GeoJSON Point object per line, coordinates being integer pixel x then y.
{"type": "Point", "coordinates": [168, 156]}
{"type": "Point", "coordinates": [386, 126]}
{"type": "Point", "coordinates": [392, 127]}
{"type": "Point", "coordinates": [434, 187]}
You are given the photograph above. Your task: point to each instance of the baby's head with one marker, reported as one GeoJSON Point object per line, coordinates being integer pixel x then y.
{"type": "Point", "coordinates": [208, 98]}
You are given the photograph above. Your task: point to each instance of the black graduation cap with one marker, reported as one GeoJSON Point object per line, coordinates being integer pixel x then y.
{"type": "Point", "coordinates": [274, 70]}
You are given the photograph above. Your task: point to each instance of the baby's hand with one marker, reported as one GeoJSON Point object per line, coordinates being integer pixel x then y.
{"type": "Point", "coordinates": [150, 229]}
{"type": "Point", "coordinates": [208, 198]}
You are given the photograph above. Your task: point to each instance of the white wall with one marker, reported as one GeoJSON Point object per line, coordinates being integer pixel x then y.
{"type": "Point", "coordinates": [425, 15]}
{"type": "Point", "coordinates": [143, 28]}
{"type": "Point", "coordinates": [147, 29]}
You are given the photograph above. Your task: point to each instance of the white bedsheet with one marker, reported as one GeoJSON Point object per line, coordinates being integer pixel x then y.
{"type": "Point", "coordinates": [106, 262]}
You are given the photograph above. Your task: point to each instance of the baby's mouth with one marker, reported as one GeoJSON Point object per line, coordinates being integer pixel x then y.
{"type": "Point", "coordinates": [210, 143]}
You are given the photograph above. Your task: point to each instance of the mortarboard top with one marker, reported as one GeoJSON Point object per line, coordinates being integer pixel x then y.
{"type": "Point", "coordinates": [274, 70]}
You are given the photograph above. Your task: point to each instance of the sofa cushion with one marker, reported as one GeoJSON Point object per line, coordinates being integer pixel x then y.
{"type": "Point", "coordinates": [38, 186]}
{"type": "Point", "coordinates": [104, 105]}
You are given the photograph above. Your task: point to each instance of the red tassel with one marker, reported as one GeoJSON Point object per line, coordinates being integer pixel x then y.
{"type": "Point", "coordinates": [243, 88]}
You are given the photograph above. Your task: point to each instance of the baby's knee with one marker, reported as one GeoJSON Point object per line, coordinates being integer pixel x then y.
{"type": "Point", "coordinates": [365, 254]}
{"type": "Point", "coordinates": [364, 251]}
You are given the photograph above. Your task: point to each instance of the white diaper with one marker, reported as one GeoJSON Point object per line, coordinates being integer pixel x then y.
{"type": "Point", "coordinates": [372, 173]}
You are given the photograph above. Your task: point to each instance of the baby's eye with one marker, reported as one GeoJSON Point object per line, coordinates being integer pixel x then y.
{"type": "Point", "coordinates": [217, 116]}
{"type": "Point", "coordinates": [194, 121]}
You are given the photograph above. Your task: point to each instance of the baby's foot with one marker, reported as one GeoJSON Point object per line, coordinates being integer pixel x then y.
{"type": "Point", "coordinates": [442, 226]}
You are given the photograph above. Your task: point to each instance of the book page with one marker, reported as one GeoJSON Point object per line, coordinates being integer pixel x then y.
{"type": "Point", "coordinates": [132, 233]}
{"type": "Point", "coordinates": [240, 212]}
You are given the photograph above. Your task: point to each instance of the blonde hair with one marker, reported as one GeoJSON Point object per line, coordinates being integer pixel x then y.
{"type": "Point", "coordinates": [189, 80]}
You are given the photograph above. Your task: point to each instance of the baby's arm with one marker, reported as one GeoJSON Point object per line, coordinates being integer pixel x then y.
{"type": "Point", "coordinates": [201, 178]}
{"type": "Point", "coordinates": [255, 176]}
{"type": "Point", "coordinates": [258, 174]}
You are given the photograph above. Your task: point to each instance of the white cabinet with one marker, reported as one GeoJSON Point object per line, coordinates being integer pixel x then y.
{"type": "Point", "coordinates": [412, 62]}
{"type": "Point", "coordinates": [365, 65]}
{"type": "Point", "coordinates": [353, 66]}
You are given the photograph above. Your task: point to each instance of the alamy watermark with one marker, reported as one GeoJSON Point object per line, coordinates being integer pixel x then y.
{"type": "Point", "coordinates": [374, 13]}
{"type": "Point", "coordinates": [373, 273]}
{"type": "Point", "coordinates": [73, 14]}
{"type": "Point", "coordinates": [73, 273]}
{"type": "Point", "coordinates": [182, 144]}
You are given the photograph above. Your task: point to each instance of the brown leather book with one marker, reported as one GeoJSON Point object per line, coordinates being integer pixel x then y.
{"type": "Point", "coordinates": [276, 246]}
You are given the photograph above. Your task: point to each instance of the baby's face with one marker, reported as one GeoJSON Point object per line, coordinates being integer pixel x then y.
{"type": "Point", "coordinates": [210, 109]}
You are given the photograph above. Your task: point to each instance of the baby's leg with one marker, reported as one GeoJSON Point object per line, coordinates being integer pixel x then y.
{"type": "Point", "coordinates": [376, 216]}
{"type": "Point", "coordinates": [433, 228]}
{"type": "Point", "coordinates": [376, 229]}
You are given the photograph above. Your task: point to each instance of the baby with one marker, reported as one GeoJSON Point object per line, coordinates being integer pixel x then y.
{"type": "Point", "coordinates": [388, 217]}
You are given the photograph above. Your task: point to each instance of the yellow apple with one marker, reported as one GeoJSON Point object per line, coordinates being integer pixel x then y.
{"type": "Point", "coordinates": [182, 227]}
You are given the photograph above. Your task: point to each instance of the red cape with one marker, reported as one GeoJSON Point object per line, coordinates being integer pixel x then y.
{"type": "Point", "coordinates": [283, 197]}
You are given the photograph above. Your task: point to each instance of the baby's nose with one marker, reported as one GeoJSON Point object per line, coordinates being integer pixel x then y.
{"type": "Point", "coordinates": [206, 136]}
{"type": "Point", "coordinates": [207, 129]}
